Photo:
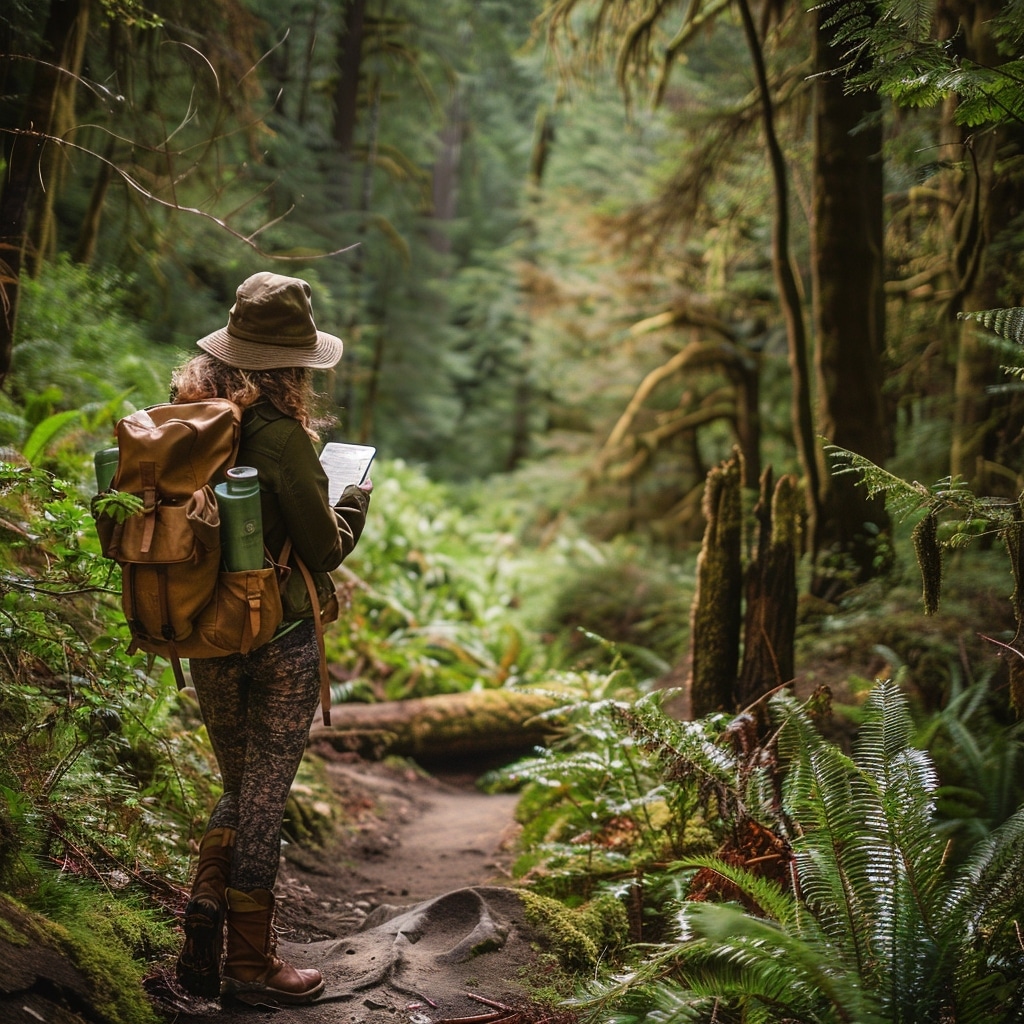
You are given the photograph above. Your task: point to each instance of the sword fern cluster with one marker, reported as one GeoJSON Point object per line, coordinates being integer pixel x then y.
{"type": "Point", "coordinates": [875, 925]}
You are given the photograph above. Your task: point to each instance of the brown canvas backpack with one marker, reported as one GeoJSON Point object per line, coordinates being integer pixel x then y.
{"type": "Point", "coordinates": [176, 596]}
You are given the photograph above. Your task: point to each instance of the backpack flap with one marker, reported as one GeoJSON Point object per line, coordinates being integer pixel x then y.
{"type": "Point", "coordinates": [182, 447]}
{"type": "Point", "coordinates": [170, 456]}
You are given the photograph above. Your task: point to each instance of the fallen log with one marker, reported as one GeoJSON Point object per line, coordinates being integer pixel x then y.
{"type": "Point", "coordinates": [443, 727]}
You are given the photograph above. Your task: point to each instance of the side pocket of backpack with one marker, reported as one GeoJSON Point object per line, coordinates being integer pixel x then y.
{"type": "Point", "coordinates": [243, 615]}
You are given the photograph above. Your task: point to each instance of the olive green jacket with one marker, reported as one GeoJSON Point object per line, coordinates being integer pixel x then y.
{"type": "Point", "coordinates": [293, 496]}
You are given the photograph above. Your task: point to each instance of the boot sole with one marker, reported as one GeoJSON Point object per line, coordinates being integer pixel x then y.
{"type": "Point", "coordinates": [198, 966]}
{"type": "Point", "coordinates": [254, 994]}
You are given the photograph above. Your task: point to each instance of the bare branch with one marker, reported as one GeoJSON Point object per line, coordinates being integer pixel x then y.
{"type": "Point", "coordinates": [150, 196]}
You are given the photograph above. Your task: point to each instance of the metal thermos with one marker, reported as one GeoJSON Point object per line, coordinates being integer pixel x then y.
{"type": "Point", "coordinates": [105, 461]}
{"type": "Point", "coordinates": [241, 521]}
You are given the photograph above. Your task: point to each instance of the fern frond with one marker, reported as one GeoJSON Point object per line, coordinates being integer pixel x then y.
{"type": "Point", "coordinates": [1007, 323]}
{"type": "Point", "coordinates": [767, 895]}
{"type": "Point", "coordinates": [790, 972]}
{"type": "Point", "coordinates": [915, 16]}
{"type": "Point", "coordinates": [685, 749]}
{"type": "Point", "coordinates": [868, 859]}
{"type": "Point", "coordinates": [989, 890]}
{"type": "Point", "coordinates": [902, 498]}
{"type": "Point", "coordinates": [982, 916]}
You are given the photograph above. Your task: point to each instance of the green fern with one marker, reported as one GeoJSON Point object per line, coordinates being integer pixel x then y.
{"type": "Point", "coordinates": [953, 515]}
{"type": "Point", "coordinates": [890, 49]}
{"type": "Point", "coordinates": [879, 927]}
{"type": "Point", "coordinates": [1007, 323]}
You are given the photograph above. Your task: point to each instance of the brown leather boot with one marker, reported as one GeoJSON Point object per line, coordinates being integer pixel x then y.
{"type": "Point", "coordinates": [253, 973]}
{"type": "Point", "coordinates": [198, 966]}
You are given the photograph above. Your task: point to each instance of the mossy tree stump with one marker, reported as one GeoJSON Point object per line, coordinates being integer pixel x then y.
{"type": "Point", "coordinates": [749, 610]}
{"type": "Point", "coordinates": [715, 614]}
{"type": "Point", "coordinates": [769, 624]}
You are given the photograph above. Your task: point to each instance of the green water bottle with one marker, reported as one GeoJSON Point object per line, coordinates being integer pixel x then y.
{"type": "Point", "coordinates": [241, 522]}
{"type": "Point", "coordinates": [105, 461]}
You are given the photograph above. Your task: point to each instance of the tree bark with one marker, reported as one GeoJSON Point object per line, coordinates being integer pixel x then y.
{"type": "Point", "coordinates": [443, 727]}
{"type": "Point", "coordinates": [990, 206]}
{"type": "Point", "coordinates": [715, 614]}
{"type": "Point", "coordinates": [769, 626]}
{"type": "Point", "coordinates": [849, 316]}
{"type": "Point", "coordinates": [346, 94]}
{"type": "Point", "coordinates": [89, 233]}
{"type": "Point", "coordinates": [786, 281]}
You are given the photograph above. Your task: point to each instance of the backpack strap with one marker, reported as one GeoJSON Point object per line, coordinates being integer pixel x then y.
{"type": "Point", "coordinates": [179, 673]}
{"type": "Point", "coordinates": [325, 682]}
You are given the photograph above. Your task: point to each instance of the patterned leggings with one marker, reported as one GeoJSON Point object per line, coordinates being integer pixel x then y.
{"type": "Point", "coordinates": [258, 708]}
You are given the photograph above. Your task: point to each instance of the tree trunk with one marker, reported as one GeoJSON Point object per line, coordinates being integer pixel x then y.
{"type": "Point", "coordinates": [442, 727]}
{"type": "Point", "coordinates": [302, 113]}
{"type": "Point", "coordinates": [786, 281]}
{"type": "Point", "coordinates": [346, 93]}
{"type": "Point", "coordinates": [349, 50]}
{"type": "Point", "coordinates": [21, 181]}
{"type": "Point", "coordinates": [715, 614]}
{"type": "Point", "coordinates": [43, 244]}
{"type": "Point", "coordinates": [985, 433]}
{"type": "Point", "coordinates": [769, 625]}
{"type": "Point", "coordinates": [89, 232]}
{"type": "Point", "coordinates": [849, 316]}
{"type": "Point", "coordinates": [445, 180]}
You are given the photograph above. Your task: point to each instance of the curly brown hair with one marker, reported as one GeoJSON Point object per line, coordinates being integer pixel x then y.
{"type": "Point", "coordinates": [288, 388]}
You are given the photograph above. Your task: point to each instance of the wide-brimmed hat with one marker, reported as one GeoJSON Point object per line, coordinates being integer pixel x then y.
{"type": "Point", "coordinates": [271, 325]}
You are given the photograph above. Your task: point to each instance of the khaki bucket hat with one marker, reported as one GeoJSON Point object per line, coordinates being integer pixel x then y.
{"type": "Point", "coordinates": [270, 326]}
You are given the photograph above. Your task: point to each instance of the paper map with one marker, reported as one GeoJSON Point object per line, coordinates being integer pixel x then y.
{"type": "Point", "coordinates": [345, 464]}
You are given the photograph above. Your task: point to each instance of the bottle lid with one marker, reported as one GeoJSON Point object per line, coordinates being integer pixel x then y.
{"type": "Point", "coordinates": [242, 481]}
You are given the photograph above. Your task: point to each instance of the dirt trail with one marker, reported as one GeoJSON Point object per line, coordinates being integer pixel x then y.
{"type": "Point", "coordinates": [410, 838]}
{"type": "Point", "coordinates": [435, 834]}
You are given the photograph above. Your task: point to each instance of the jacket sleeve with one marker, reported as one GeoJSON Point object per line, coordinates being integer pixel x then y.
{"type": "Point", "coordinates": [350, 511]}
{"type": "Point", "coordinates": [321, 536]}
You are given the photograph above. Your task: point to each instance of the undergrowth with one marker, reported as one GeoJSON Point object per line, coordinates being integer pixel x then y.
{"type": "Point", "coordinates": [106, 772]}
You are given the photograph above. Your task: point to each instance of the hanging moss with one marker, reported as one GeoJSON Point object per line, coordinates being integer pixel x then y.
{"type": "Point", "coordinates": [929, 560]}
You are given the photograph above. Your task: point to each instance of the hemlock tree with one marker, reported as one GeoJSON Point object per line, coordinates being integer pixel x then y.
{"type": "Point", "coordinates": [847, 211]}
{"type": "Point", "coordinates": [847, 264]}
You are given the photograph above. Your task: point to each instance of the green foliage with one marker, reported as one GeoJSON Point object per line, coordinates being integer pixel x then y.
{"type": "Point", "coordinates": [86, 757]}
{"type": "Point", "coordinates": [445, 591]}
{"type": "Point", "coordinates": [79, 348]}
{"type": "Point", "coordinates": [627, 790]}
{"type": "Point", "coordinates": [953, 517]}
{"type": "Point", "coordinates": [638, 606]}
{"type": "Point", "coordinates": [979, 760]}
{"type": "Point", "coordinates": [891, 50]}
{"type": "Point", "coordinates": [432, 592]}
{"type": "Point", "coordinates": [131, 13]}
{"type": "Point", "coordinates": [880, 928]}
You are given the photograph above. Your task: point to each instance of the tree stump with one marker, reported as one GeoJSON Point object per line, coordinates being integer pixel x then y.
{"type": "Point", "coordinates": [769, 625]}
{"type": "Point", "coordinates": [715, 615]}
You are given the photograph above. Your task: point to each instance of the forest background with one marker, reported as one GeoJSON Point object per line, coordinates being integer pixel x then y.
{"type": "Point", "coordinates": [615, 279]}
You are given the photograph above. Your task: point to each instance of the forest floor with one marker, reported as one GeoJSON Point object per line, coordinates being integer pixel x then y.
{"type": "Point", "coordinates": [434, 843]}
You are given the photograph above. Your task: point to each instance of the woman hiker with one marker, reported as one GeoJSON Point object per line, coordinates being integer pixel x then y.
{"type": "Point", "coordinates": [258, 707]}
